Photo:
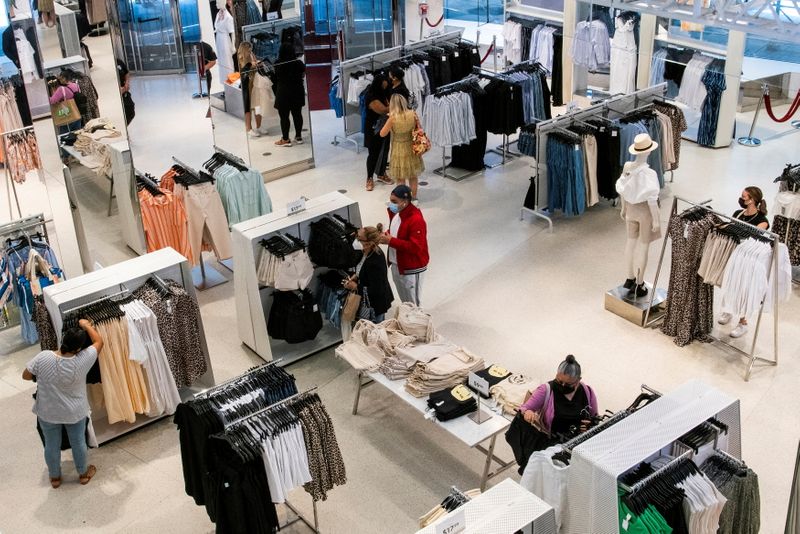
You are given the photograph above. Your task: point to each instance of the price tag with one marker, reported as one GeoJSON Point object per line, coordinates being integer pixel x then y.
{"type": "Point", "coordinates": [272, 16]}
{"type": "Point", "coordinates": [455, 54]}
{"type": "Point", "coordinates": [614, 133]}
{"type": "Point", "coordinates": [474, 50]}
{"type": "Point", "coordinates": [296, 206]}
{"type": "Point", "coordinates": [425, 62]}
{"type": "Point", "coordinates": [456, 522]}
{"type": "Point", "coordinates": [444, 58]}
{"type": "Point", "coordinates": [481, 385]}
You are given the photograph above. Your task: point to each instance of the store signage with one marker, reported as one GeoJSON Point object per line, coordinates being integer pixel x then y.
{"type": "Point", "coordinates": [456, 522]}
{"type": "Point", "coordinates": [273, 15]}
{"type": "Point", "coordinates": [296, 206]}
{"type": "Point", "coordinates": [481, 385]}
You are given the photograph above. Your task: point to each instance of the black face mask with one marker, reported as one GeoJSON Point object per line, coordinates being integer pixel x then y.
{"type": "Point", "coordinates": [742, 203]}
{"type": "Point", "coordinates": [563, 389]}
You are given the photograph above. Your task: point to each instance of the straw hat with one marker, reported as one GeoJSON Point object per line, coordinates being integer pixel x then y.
{"type": "Point", "coordinates": [642, 144]}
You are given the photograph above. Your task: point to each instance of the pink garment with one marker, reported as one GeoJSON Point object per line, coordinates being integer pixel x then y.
{"type": "Point", "coordinates": [65, 92]}
{"type": "Point", "coordinates": [537, 400]}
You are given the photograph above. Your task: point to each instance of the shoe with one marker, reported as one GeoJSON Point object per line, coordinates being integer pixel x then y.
{"type": "Point", "coordinates": [254, 133]}
{"type": "Point", "coordinates": [629, 283]}
{"type": "Point", "coordinates": [263, 130]}
{"type": "Point", "coordinates": [725, 318]}
{"type": "Point", "coordinates": [55, 482]}
{"type": "Point", "coordinates": [386, 180]}
{"type": "Point", "coordinates": [298, 141]}
{"type": "Point", "coordinates": [283, 142]}
{"type": "Point", "coordinates": [87, 476]}
{"type": "Point", "coordinates": [637, 290]}
{"type": "Point", "coordinates": [370, 184]}
{"type": "Point", "coordinates": [739, 331]}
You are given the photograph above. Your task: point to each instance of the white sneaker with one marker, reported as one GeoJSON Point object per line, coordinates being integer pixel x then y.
{"type": "Point", "coordinates": [739, 331]}
{"type": "Point", "coordinates": [254, 134]}
{"type": "Point", "coordinates": [725, 318]}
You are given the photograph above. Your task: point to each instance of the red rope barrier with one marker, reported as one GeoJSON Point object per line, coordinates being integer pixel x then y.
{"type": "Point", "coordinates": [491, 47]}
{"type": "Point", "coordinates": [437, 22]}
{"type": "Point", "coordinates": [792, 109]}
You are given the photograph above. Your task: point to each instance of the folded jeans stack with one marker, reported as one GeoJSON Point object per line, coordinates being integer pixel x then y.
{"type": "Point", "coordinates": [445, 371]}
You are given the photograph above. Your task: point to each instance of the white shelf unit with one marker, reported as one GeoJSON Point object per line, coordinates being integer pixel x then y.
{"type": "Point", "coordinates": [253, 303]}
{"type": "Point", "coordinates": [598, 462]}
{"type": "Point", "coordinates": [131, 274]}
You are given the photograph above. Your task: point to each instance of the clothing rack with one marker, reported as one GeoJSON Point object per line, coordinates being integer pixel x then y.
{"type": "Point", "coordinates": [686, 455]}
{"type": "Point", "coordinates": [186, 168]}
{"type": "Point", "coordinates": [11, 187]}
{"type": "Point", "coordinates": [790, 175]}
{"type": "Point", "coordinates": [351, 117]}
{"type": "Point", "coordinates": [229, 156]}
{"type": "Point", "coordinates": [271, 406]}
{"type": "Point", "coordinates": [773, 270]}
{"type": "Point", "coordinates": [230, 381]}
{"type": "Point", "coordinates": [623, 105]}
{"type": "Point", "coordinates": [78, 308]}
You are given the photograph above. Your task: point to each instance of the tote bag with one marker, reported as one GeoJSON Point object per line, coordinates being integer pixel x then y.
{"type": "Point", "coordinates": [64, 112]}
{"type": "Point", "coordinates": [419, 139]}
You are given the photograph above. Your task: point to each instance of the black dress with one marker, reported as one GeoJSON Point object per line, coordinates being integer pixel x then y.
{"type": "Point", "coordinates": [290, 92]}
{"type": "Point", "coordinates": [375, 278]}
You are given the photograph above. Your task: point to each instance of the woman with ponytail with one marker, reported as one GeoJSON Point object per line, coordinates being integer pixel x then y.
{"type": "Point", "coordinates": [753, 211]}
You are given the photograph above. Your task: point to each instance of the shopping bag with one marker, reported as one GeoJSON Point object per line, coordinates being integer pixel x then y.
{"type": "Point", "coordinates": [419, 139]}
{"type": "Point", "coordinates": [65, 112]}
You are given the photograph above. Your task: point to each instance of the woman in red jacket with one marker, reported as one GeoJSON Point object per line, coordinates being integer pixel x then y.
{"type": "Point", "coordinates": [408, 245]}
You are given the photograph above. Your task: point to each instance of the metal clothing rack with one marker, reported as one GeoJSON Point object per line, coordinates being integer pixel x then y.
{"type": "Point", "coordinates": [11, 187]}
{"type": "Point", "coordinates": [624, 104]}
{"type": "Point", "coordinates": [686, 455]}
{"type": "Point", "coordinates": [773, 270]}
{"type": "Point", "coordinates": [123, 291]}
{"type": "Point", "coordinates": [230, 156]}
{"type": "Point", "coordinates": [300, 517]}
{"type": "Point", "coordinates": [230, 381]}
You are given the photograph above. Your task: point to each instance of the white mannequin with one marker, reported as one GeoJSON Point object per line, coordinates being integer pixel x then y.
{"type": "Point", "coordinates": [638, 188]}
{"type": "Point", "coordinates": [224, 27]}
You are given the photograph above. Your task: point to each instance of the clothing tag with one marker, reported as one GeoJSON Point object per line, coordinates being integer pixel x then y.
{"type": "Point", "coordinates": [461, 392]}
{"type": "Point", "coordinates": [425, 62]}
{"type": "Point", "coordinates": [497, 371]}
{"type": "Point", "coordinates": [444, 58]}
{"type": "Point", "coordinates": [474, 50]}
{"type": "Point", "coordinates": [685, 230]}
{"type": "Point", "coordinates": [169, 307]}
{"type": "Point", "coordinates": [626, 522]}
{"type": "Point", "coordinates": [614, 133]}
{"type": "Point", "coordinates": [577, 147]}
{"type": "Point", "coordinates": [316, 308]}
{"type": "Point", "coordinates": [227, 485]}
{"type": "Point", "coordinates": [455, 54]}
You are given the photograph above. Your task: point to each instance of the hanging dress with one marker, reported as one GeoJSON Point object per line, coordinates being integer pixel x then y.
{"type": "Point", "coordinates": [623, 58]}
{"type": "Point", "coordinates": [223, 28]}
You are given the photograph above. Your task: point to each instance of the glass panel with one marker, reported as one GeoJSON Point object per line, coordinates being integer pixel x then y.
{"type": "Point", "coordinates": [149, 37]}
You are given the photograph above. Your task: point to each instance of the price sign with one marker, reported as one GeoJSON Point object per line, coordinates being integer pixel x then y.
{"type": "Point", "coordinates": [272, 15]}
{"type": "Point", "coordinates": [296, 206]}
{"type": "Point", "coordinates": [452, 524]}
{"type": "Point", "coordinates": [481, 385]}
{"type": "Point", "coordinates": [455, 54]}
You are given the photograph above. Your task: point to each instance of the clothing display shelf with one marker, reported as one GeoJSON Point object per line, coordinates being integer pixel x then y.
{"type": "Point", "coordinates": [67, 25]}
{"type": "Point", "coordinates": [773, 275]}
{"type": "Point", "coordinates": [506, 507]}
{"type": "Point", "coordinates": [611, 108]}
{"type": "Point", "coordinates": [24, 227]}
{"type": "Point", "coordinates": [126, 276]}
{"type": "Point", "coordinates": [463, 428]}
{"type": "Point", "coordinates": [274, 27]}
{"type": "Point", "coordinates": [376, 61]}
{"type": "Point", "coordinates": [597, 463]}
{"type": "Point", "coordinates": [252, 303]}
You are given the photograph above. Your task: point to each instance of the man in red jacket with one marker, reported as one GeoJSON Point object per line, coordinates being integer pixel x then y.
{"type": "Point", "coordinates": [408, 245]}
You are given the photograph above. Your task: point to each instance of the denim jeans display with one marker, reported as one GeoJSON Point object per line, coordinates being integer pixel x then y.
{"type": "Point", "coordinates": [565, 183]}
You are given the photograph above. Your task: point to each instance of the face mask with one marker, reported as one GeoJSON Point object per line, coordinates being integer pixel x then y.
{"type": "Point", "coordinates": [394, 208]}
{"type": "Point", "coordinates": [742, 203]}
{"type": "Point", "coordinates": [561, 388]}
{"type": "Point", "coordinates": [357, 245]}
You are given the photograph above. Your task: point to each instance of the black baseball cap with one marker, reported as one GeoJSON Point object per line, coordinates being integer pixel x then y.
{"type": "Point", "coordinates": [403, 192]}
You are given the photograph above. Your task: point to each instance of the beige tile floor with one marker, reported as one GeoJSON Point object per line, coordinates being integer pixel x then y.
{"type": "Point", "coordinates": [506, 289]}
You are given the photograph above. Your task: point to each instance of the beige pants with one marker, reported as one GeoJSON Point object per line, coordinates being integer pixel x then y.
{"type": "Point", "coordinates": [206, 219]}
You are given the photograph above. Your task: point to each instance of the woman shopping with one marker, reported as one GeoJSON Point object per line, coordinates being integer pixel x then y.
{"type": "Point", "coordinates": [371, 279]}
{"type": "Point", "coordinates": [290, 94]}
{"type": "Point", "coordinates": [377, 146]}
{"type": "Point", "coordinates": [61, 398]}
{"type": "Point", "coordinates": [753, 211]}
{"type": "Point", "coordinates": [65, 110]}
{"type": "Point", "coordinates": [557, 410]}
{"type": "Point", "coordinates": [248, 67]}
{"type": "Point", "coordinates": [405, 164]}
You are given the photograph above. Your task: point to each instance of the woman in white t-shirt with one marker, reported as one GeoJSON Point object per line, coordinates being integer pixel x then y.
{"type": "Point", "coordinates": [61, 397]}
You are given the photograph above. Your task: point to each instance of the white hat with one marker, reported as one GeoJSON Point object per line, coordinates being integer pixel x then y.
{"type": "Point", "coordinates": [642, 144]}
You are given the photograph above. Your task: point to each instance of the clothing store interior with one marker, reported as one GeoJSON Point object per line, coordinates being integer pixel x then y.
{"type": "Point", "coordinates": [562, 236]}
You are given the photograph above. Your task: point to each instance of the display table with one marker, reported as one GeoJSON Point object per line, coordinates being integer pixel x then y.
{"type": "Point", "coordinates": [504, 509]}
{"type": "Point", "coordinates": [464, 428]}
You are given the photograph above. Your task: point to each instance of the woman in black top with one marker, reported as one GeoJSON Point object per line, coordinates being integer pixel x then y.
{"type": "Point", "coordinates": [398, 86]}
{"type": "Point", "coordinates": [371, 279]}
{"type": "Point", "coordinates": [377, 146]}
{"type": "Point", "coordinates": [290, 93]}
{"type": "Point", "coordinates": [754, 211]}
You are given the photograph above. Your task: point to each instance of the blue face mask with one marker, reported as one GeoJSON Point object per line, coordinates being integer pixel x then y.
{"type": "Point", "coordinates": [394, 208]}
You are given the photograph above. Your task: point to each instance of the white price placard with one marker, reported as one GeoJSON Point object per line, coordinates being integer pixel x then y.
{"type": "Point", "coordinates": [273, 15]}
{"type": "Point", "coordinates": [296, 206]}
{"type": "Point", "coordinates": [452, 524]}
{"type": "Point", "coordinates": [481, 385]}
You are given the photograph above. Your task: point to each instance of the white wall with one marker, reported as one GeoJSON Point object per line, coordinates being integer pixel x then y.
{"type": "Point", "coordinates": [435, 11]}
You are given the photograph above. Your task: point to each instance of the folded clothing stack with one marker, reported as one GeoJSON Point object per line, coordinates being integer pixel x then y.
{"type": "Point", "coordinates": [454, 402]}
{"type": "Point", "coordinates": [512, 392]}
{"type": "Point", "coordinates": [493, 374]}
{"type": "Point", "coordinates": [415, 322]}
{"type": "Point", "coordinates": [402, 362]}
{"type": "Point", "coordinates": [444, 371]}
{"type": "Point", "coordinates": [370, 345]}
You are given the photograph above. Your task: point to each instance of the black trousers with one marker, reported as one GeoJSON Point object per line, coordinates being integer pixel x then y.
{"type": "Point", "coordinates": [377, 152]}
{"type": "Point", "coordinates": [297, 116]}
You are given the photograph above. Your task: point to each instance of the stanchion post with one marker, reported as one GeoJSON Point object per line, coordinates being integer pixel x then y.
{"type": "Point", "coordinates": [494, 52]}
{"type": "Point", "coordinates": [750, 140]}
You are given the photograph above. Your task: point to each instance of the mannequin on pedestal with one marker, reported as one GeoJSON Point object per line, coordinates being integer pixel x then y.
{"type": "Point", "coordinates": [638, 189]}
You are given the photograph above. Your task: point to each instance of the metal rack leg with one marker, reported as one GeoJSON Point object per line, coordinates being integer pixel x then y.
{"type": "Point", "coordinates": [358, 393]}
{"type": "Point", "coordinates": [488, 464]}
{"type": "Point", "coordinates": [338, 139]}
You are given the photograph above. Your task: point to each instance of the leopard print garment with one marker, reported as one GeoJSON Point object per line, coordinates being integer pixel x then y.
{"type": "Point", "coordinates": [178, 328]}
{"type": "Point", "coordinates": [690, 302]}
{"type": "Point", "coordinates": [48, 339]}
{"type": "Point", "coordinates": [324, 457]}
{"type": "Point", "coordinates": [792, 240]}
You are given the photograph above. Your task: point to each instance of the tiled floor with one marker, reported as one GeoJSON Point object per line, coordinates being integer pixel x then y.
{"type": "Point", "coordinates": [507, 289]}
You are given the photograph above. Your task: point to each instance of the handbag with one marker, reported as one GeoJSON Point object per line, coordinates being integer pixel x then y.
{"type": "Point", "coordinates": [351, 305]}
{"type": "Point", "coordinates": [366, 311]}
{"type": "Point", "coordinates": [419, 139]}
{"type": "Point", "coordinates": [64, 112]}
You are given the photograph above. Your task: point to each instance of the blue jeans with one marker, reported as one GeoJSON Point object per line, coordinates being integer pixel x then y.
{"type": "Point", "coordinates": [76, 433]}
{"type": "Point", "coordinates": [379, 318]}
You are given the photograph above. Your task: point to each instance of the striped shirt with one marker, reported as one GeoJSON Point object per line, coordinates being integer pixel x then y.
{"type": "Point", "coordinates": [61, 385]}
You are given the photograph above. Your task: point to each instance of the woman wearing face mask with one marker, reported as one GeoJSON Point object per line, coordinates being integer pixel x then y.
{"type": "Point", "coordinates": [753, 211]}
{"type": "Point", "coordinates": [563, 404]}
{"type": "Point", "coordinates": [371, 278]}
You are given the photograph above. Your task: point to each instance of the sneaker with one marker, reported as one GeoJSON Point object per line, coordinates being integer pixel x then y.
{"type": "Point", "coordinates": [263, 130]}
{"type": "Point", "coordinates": [386, 179]}
{"type": "Point", "coordinates": [725, 318]}
{"type": "Point", "coordinates": [254, 133]}
{"type": "Point", "coordinates": [298, 140]}
{"type": "Point", "coordinates": [283, 142]}
{"type": "Point", "coordinates": [629, 283]}
{"type": "Point", "coordinates": [739, 331]}
{"type": "Point", "coordinates": [637, 290]}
